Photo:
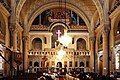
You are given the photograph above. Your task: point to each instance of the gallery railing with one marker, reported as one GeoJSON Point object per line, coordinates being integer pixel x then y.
{"type": "Point", "coordinates": [81, 53]}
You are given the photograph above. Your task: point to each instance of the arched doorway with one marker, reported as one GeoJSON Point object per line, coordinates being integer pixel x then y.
{"type": "Point", "coordinates": [81, 66]}
{"type": "Point", "coordinates": [81, 44]}
{"type": "Point", "coordinates": [37, 44]}
{"type": "Point", "coordinates": [59, 64]}
{"type": "Point", "coordinates": [36, 66]}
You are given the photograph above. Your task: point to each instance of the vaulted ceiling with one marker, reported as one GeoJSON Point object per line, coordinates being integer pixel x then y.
{"type": "Point", "coordinates": [27, 10]}
{"type": "Point", "coordinates": [86, 6]}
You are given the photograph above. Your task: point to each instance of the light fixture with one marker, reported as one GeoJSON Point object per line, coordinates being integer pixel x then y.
{"type": "Point", "coordinates": [65, 40]}
{"type": "Point", "coordinates": [118, 32]}
{"type": "Point", "coordinates": [61, 53]}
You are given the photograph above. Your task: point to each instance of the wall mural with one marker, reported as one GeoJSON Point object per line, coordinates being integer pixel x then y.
{"type": "Point", "coordinates": [58, 14]}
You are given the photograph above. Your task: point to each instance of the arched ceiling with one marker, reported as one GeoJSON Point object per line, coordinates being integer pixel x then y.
{"type": "Point", "coordinates": [30, 6]}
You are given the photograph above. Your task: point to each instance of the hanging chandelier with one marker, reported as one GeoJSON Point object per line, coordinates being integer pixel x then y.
{"type": "Point", "coordinates": [65, 40]}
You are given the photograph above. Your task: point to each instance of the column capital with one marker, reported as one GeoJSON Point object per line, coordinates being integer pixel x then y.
{"type": "Point", "coordinates": [92, 38]}
{"type": "Point", "coordinates": [25, 38]}
{"type": "Point", "coordinates": [12, 29]}
{"type": "Point", "coordinates": [106, 30]}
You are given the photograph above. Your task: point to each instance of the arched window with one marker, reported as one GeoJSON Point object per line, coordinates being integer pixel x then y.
{"type": "Point", "coordinates": [37, 43]}
{"type": "Point", "coordinates": [81, 44]}
{"type": "Point", "coordinates": [59, 64]}
{"type": "Point", "coordinates": [81, 64]}
{"type": "Point", "coordinates": [36, 64]}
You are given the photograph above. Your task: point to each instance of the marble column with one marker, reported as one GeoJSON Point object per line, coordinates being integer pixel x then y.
{"type": "Point", "coordinates": [92, 55]}
{"type": "Point", "coordinates": [25, 52]}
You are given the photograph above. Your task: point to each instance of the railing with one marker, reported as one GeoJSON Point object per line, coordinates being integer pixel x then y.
{"type": "Point", "coordinates": [81, 53]}
{"type": "Point", "coordinates": [5, 4]}
{"type": "Point", "coordinates": [72, 27]}
{"type": "Point", "coordinates": [39, 27]}
{"type": "Point", "coordinates": [117, 3]}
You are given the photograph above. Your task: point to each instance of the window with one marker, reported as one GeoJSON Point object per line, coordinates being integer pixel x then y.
{"type": "Point", "coordinates": [70, 64]}
{"type": "Point", "coordinates": [87, 63]}
{"type": "Point", "coordinates": [76, 63]}
{"type": "Point", "coordinates": [65, 63]}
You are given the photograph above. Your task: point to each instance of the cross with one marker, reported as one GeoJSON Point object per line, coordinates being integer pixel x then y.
{"type": "Point", "coordinates": [58, 33]}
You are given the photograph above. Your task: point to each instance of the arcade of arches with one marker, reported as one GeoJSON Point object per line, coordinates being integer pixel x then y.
{"type": "Point", "coordinates": [30, 29]}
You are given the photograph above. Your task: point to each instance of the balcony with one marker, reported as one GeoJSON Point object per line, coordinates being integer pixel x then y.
{"type": "Point", "coordinates": [51, 53]}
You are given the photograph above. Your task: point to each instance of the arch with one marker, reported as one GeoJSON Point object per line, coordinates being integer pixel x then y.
{"type": "Point", "coordinates": [55, 4]}
{"type": "Point", "coordinates": [99, 9]}
{"type": "Point", "coordinates": [36, 64]}
{"type": "Point", "coordinates": [37, 43]}
{"type": "Point", "coordinates": [59, 64]}
{"type": "Point", "coordinates": [58, 23]}
{"type": "Point", "coordinates": [94, 20]}
{"type": "Point", "coordinates": [116, 24]}
{"type": "Point", "coordinates": [81, 44]}
{"type": "Point", "coordinates": [3, 28]}
{"type": "Point", "coordinates": [115, 18]}
{"type": "Point", "coordinates": [82, 64]}
{"type": "Point", "coordinates": [19, 7]}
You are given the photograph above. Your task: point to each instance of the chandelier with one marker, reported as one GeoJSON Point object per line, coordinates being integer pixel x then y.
{"type": "Point", "coordinates": [65, 40]}
{"type": "Point", "coordinates": [61, 53]}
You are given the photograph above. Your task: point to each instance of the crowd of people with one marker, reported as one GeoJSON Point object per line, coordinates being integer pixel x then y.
{"type": "Point", "coordinates": [60, 74]}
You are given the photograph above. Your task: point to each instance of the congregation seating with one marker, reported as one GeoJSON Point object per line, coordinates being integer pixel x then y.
{"type": "Point", "coordinates": [71, 75]}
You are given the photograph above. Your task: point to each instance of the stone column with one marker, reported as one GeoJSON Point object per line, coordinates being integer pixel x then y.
{"type": "Point", "coordinates": [14, 40]}
{"type": "Point", "coordinates": [96, 51]}
{"type": "Point", "coordinates": [25, 52]}
{"type": "Point", "coordinates": [106, 31]}
{"type": "Point", "coordinates": [12, 23]}
{"type": "Point", "coordinates": [92, 55]}
{"type": "Point", "coordinates": [21, 43]}
{"type": "Point", "coordinates": [106, 58]}
{"type": "Point", "coordinates": [13, 46]}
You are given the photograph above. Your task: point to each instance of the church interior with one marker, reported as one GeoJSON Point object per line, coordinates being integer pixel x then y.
{"type": "Point", "coordinates": [59, 39]}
